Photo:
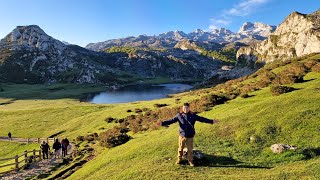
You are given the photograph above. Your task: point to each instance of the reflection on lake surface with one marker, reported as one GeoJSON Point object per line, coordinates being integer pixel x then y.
{"type": "Point", "coordinates": [138, 93]}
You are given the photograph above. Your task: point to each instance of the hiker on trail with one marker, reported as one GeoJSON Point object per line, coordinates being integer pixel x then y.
{"type": "Point", "coordinates": [9, 135]}
{"type": "Point", "coordinates": [186, 120]}
{"type": "Point", "coordinates": [56, 146]}
{"type": "Point", "coordinates": [63, 148]}
{"type": "Point", "coordinates": [67, 145]}
{"type": "Point", "coordinates": [45, 149]}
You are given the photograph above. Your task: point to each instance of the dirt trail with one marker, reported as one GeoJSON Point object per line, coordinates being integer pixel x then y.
{"type": "Point", "coordinates": [36, 168]}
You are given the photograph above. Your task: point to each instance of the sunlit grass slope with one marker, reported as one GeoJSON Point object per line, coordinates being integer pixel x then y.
{"type": "Point", "coordinates": [41, 111]}
{"type": "Point", "coordinates": [291, 118]}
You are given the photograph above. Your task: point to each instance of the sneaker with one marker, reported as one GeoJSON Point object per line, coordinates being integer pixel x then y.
{"type": "Point", "coordinates": [191, 164]}
{"type": "Point", "coordinates": [179, 161]}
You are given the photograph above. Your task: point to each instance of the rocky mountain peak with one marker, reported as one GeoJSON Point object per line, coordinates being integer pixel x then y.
{"type": "Point", "coordinates": [221, 32]}
{"type": "Point", "coordinates": [198, 31]}
{"type": "Point", "coordinates": [256, 29]}
{"type": "Point", "coordinates": [175, 35]}
{"type": "Point", "coordinates": [246, 26]}
{"type": "Point", "coordinates": [31, 36]}
{"type": "Point", "coordinates": [296, 36]}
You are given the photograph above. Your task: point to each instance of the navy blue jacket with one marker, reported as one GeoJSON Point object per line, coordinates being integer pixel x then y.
{"type": "Point", "coordinates": [186, 123]}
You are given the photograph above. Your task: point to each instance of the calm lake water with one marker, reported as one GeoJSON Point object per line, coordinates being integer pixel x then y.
{"type": "Point", "coordinates": [137, 93]}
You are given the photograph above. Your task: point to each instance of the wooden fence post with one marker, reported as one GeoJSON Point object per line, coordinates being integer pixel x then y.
{"type": "Point", "coordinates": [34, 155]}
{"type": "Point", "coordinates": [28, 140]}
{"type": "Point", "coordinates": [40, 157]}
{"type": "Point", "coordinates": [48, 140]}
{"type": "Point", "coordinates": [26, 156]}
{"type": "Point", "coordinates": [17, 162]}
{"type": "Point", "coordinates": [39, 140]}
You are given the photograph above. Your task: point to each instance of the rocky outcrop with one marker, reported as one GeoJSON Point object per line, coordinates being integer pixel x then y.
{"type": "Point", "coordinates": [297, 35]}
{"type": "Point", "coordinates": [279, 148]}
{"type": "Point", "coordinates": [197, 46]}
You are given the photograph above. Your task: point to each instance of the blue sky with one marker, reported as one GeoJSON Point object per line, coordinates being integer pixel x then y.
{"type": "Point", "coordinates": [84, 21]}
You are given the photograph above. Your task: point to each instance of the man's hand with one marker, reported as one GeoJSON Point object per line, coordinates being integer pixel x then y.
{"type": "Point", "coordinates": [159, 123]}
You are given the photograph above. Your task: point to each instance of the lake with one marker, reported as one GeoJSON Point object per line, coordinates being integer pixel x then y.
{"type": "Point", "coordinates": [137, 93]}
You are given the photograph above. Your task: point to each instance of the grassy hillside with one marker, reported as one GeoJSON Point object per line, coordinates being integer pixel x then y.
{"type": "Point", "coordinates": [237, 147]}
{"type": "Point", "coordinates": [291, 118]}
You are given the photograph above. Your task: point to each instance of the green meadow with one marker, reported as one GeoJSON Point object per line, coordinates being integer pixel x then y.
{"type": "Point", "coordinates": [235, 148]}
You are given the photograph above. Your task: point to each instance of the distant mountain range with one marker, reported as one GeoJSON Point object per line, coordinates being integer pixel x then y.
{"type": "Point", "coordinates": [248, 33]}
{"type": "Point", "coordinates": [29, 55]}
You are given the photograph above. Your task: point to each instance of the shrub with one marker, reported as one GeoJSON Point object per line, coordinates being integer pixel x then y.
{"type": "Point", "coordinates": [160, 105]}
{"type": "Point", "coordinates": [297, 69]}
{"type": "Point", "coordinates": [316, 68]}
{"type": "Point", "coordinates": [129, 110]}
{"type": "Point", "coordinates": [287, 78]}
{"type": "Point", "coordinates": [310, 63]}
{"type": "Point", "coordinates": [293, 74]}
{"type": "Point", "coordinates": [247, 88]}
{"type": "Point", "coordinates": [137, 110]}
{"type": "Point", "coordinates": [80, 138]}
{"type": "Point", "coordinates": [265, 79]}
{"type": "Point", "coordinates": [277, 90]}
{"type": "Point", "coordinates": [91, 137]}
{"type": "Point", "coordinates": [114, 137]}
{"type": "Point", "coordinates": [110, 119]}
{"type": "Point", "coordinates": [145, 109]}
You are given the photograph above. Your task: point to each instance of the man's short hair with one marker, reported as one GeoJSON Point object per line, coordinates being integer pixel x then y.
{"type": "Point", "coordinates": [186, 104]}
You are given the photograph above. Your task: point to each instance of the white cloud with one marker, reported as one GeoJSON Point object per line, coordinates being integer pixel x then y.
{"type": "Point", "coordinates": [216, 23]}
{"type": "Point", "coordinates": [243, 8]}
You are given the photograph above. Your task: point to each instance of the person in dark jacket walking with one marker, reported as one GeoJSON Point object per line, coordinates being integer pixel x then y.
{"type": "Point", "coordinates": [66, 141]}
{"type": "Point", "coordinates": [45, 149]}
{"type": "Point", "coordinates": [9, 136]}
{"type": "Point", "coordinates": [64, 146]}
{"type": "Point", "coordinates": [186, 120]}
{"type": "Point", "coordinates": [56, 146]}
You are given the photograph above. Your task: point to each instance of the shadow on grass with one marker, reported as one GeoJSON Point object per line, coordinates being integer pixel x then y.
{"type": "Point", "coordinates": [221, 161]}
{"type": "Point", "coordinates": [56, 134]}
{"type": "Point", "coordinates": [307, 80]}
{"type": "Point", "coordinates": [6, 103]}
{"type": "Point", "coordinates": [224, 161]}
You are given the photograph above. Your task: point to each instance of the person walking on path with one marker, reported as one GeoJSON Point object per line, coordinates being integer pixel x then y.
{"type": "Point", "coordinates": [186, 120]}
{"type": "Point", "coordinates": [45, 149]}
{"type": "Point", "coordinates": [66, 143]}
{"type": "Point", "coordinates": [9, 136]}
{"type": "Point", "coordinates": [64, 147]}
{"type": "Point", "coordinates": [57, 147]}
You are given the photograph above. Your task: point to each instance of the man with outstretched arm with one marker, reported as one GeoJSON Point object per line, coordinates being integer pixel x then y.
{"type": "Point", "coordinates": [186, 120]}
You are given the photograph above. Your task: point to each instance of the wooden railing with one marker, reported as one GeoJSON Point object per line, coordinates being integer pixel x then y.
{"type": "Point", "coordinates": [32, 140]}
{"type": "Point", "coordinates": [21, 163]}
